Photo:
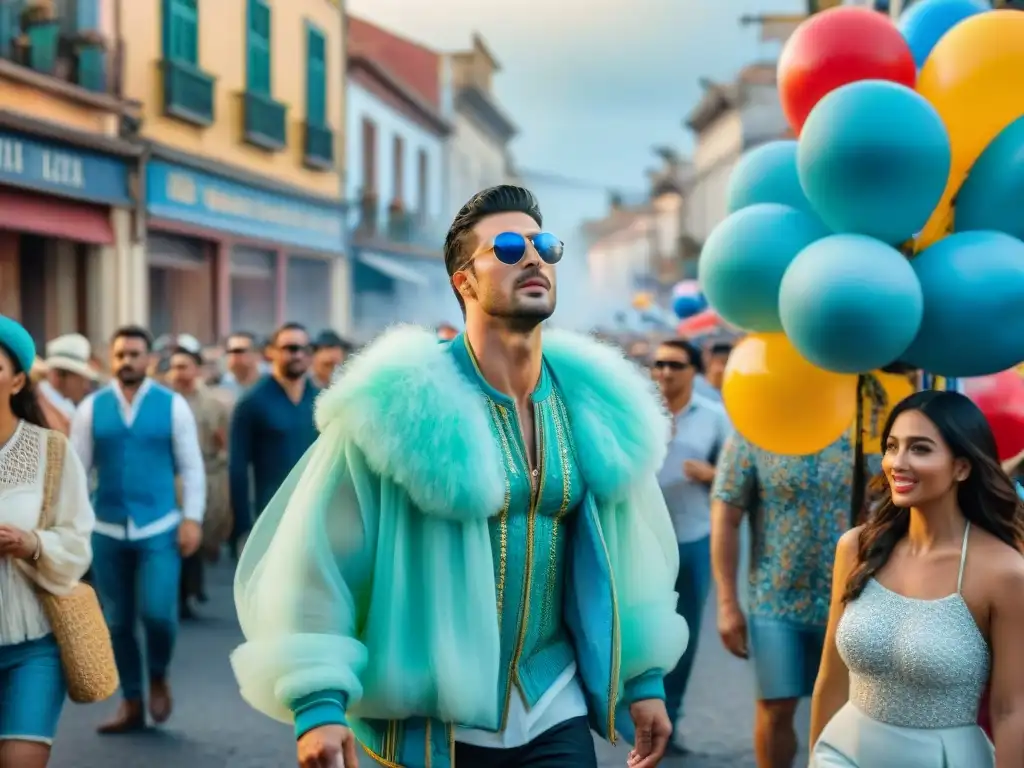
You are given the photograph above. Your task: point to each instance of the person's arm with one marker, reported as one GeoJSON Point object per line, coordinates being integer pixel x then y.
{"type": "Point", "coordinates": [1007, 701]}
{"type": "Point", "coordinates": [81, 433]}
{"type": "Point", "coordinates": [734, 492]}
{"type": "Point", "coordinates": [240, 447]}
{"type": "Point", "coordinates": [301, 578]}
{"type": "Point", "coordinates": [832, 686]}
{"type": "Point", "coordinates": [65, 548]}
{"type": "Point", "coordinates": [188, 458]}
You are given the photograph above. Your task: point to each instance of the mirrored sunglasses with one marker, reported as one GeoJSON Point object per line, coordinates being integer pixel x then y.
{"type": "Point", "coordinates": [510, 247]}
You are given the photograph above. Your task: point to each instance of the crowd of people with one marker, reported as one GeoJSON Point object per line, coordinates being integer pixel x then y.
{"type": "Point", "coordinates": [478, 547]}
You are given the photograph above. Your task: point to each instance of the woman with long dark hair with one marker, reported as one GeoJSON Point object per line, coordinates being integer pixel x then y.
{"type": "Point", "coordinates": [37, 553]}
{"type": "Point", "coordinates": [927, 601]}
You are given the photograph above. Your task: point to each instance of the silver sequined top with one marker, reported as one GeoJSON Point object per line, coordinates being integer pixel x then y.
{"type": "Point", "coordinates": [914, 663]}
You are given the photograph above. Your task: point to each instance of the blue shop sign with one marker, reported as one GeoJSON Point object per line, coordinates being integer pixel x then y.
{"type": "Point", "coordinates": [213, 202]}
{"type": "Point", "coordinates": [61, 169]}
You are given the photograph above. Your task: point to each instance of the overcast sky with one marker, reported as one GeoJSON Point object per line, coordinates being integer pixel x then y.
{"type": "Point", "coordinates": [592, 84]}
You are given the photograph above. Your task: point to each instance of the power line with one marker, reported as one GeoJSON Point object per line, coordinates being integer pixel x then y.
{"type": "Point", "coordinates": [565, 181]}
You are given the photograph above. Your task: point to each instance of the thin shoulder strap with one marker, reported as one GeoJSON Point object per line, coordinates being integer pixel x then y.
{"type": "Point", "coordinates": [56, 445]}
{"type": "Point", "coordinates": [963, 558]}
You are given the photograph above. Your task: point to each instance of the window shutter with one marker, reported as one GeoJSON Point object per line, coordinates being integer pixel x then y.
{"type": "Point", "coordinates": [316, 78]}
{"type": "Point", "coordinates": [258, 65]}
{"type": "Point", "coordinates": [181, 31]}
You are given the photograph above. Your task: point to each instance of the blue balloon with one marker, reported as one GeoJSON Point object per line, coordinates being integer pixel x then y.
{"type": "Point", "coordinates": [850, 303]}
{"type": "Point", "coordinates": [973, 324]}
{"type": "Point", "coordinates": [926, 21]}
{"type": "Point", "coordinates": [873, 160]}
{"type": "Point", "coordinates": [686, 306]}
{"type": "Point", "coordinates": [990, 198]}
{"type": "Point", "coordinates": [744, 259]}
{"type": "Point", "coordinates": [767, 174]}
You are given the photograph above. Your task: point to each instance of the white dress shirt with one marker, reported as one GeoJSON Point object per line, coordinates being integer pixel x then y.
{"type": "Point", "coordinates": [188, 458]}
{"type": "Point", "coordinates": [564, 700]}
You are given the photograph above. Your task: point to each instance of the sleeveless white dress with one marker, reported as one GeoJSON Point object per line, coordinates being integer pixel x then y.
{"type": "Point", "coordinates": [918, 669]}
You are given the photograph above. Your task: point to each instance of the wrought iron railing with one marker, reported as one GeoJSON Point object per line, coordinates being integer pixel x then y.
{"type": "Point", "coordinates": [319, 146]}
{"type": "Point", "coordinates": [188, 92]}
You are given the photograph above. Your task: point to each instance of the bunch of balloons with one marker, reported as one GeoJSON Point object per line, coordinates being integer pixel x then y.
{"type": "Point", "coordinates": [890, 231]}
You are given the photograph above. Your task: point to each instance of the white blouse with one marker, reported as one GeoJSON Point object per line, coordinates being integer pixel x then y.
{"type": "Point", "coordinates": [66, 547]}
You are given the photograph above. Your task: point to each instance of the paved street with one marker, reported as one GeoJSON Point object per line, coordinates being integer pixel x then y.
{"type": "Point", "coordinates": [213, 728]}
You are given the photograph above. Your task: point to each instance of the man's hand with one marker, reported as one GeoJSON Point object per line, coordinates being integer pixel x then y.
{"type": "Point", "coordinates": [732, 627]}
{"type": "Point", "coordinates": [329, 746]}
{"type": "Point", "coordinates": [698, 471]}
{"type": "Point", "coordinates": [190, 536]}
{"type": "Point", "coordinates": [653, 730]}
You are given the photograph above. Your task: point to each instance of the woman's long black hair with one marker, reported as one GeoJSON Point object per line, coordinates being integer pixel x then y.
{"type": "Point", "coordinates": [988, 497]}
{"type": "Point", "coordinates": [25, 404]}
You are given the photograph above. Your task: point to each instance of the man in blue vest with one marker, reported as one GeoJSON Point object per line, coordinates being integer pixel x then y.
{"type": "Point", "coordinates": [138, 436]}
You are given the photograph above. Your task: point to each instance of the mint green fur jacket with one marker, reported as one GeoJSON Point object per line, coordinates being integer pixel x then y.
{"type": "Point", "coordinates": [371, 572]}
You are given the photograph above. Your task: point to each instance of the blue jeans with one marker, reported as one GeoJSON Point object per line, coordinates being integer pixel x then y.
{"type": "Point", "coordinates": [693, 584]}
{"type": "Point", "coordinates": [139, 580]}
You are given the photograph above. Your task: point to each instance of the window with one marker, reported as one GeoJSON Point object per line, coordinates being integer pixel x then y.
{"type": "Point", "coordinates": [181, 31]}
{"type": "Point", "coordinates": [422, 181]}
{"type": "Point", "coordinates": [398, 168]}
{"type": "Point", "coordinates": [369, 156]}
{"type": "Point", "coordinates": [316, 77]}
{"type": "Point", "coordinates": [258, 60]}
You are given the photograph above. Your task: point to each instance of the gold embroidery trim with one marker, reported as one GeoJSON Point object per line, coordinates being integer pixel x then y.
{"type": "Point", "coordinates": [547, 606]}
{"type": "Point", "coordinates": [428, 756]}
{"type": "Point", "coordinates": [503, 515]}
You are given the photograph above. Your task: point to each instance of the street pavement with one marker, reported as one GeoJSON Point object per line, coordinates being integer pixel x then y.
{"type": "Point", "coordinates": [213, 728]}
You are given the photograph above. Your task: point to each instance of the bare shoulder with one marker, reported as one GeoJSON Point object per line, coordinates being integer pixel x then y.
{"type": "Point", "coordinates": [849, 544]}
{"type": "Point", "coordinates": [1001, 564]}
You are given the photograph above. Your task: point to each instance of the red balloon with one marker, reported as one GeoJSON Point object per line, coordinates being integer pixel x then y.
{"type": "Point", "coordinates": [703, 322]}
{"type": "Point", "coordinates": [1001, 398]}
{"type": "Point", "coordinates": [835, 47]}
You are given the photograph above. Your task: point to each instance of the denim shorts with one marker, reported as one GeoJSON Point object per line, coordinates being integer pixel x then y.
{"type": "Point", "coordinates": [32, 690]}
{"type": "Point", "coordinates": [786, 656]}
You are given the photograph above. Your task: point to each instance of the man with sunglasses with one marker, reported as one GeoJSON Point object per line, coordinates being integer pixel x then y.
{"type": "Point", "coordinates": [699, 430]}
{"type": "Point", "coordinates": [474, 565]}
{"type": "Point", "coordinates": [271, 427]}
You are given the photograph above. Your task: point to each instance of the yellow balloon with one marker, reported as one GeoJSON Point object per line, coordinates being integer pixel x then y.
{"type": "Point", "coordinates": [782, 403]}
{"type": "Point", "coordinates": [973, 79]}
{"type": "Point", "coordinates": [896, 386]}
{"type": "Point", "coordinates": [642, 301]}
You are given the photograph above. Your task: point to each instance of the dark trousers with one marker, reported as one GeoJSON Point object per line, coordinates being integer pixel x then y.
{"type": "Point", "coordinates": [567, 745]}
{"type": "Point", "coordinates": [692, 585]}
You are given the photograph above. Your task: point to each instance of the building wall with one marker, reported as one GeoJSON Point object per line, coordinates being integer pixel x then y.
{"type": "Point", "coordinates": [620, 263]}
{"type": "Point", "coordinates": [222, 53]}
{"type": "Point", "coordinates": [390, 123]}
{"type": "Point", "coordinates": [477, 161]}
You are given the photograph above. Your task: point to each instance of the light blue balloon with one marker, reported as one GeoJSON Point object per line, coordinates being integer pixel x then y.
{"type": "Point", "coordinates": [990, 198]}
{"type": "Point", "coordinates": [925, 22]}
{"type": "Point", "coordinates": [744, 259]}
{"type": "Point", "coordinates": [850, 303]}
{"type": "Point", "coordinates": [973, 325]}
{"type": "Point", "coordinates": [767, 174]}
{"type": "Point", "coordinates": [873, 160]}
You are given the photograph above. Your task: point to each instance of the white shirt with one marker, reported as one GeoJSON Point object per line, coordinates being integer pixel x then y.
{"type": "Point", "coordinates": [56, 399]}
{"type": "Point", "coordinates": [65, 548]}
{"type": "Point", "coordinates": [188, 458]}
{"type": "Point", "coordinates": [563, 701]}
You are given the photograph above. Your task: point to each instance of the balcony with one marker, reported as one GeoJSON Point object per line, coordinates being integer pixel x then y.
{"type": "Point", "coordinates": [56, 38]}
{"type": "Point", "coordinates": [319, 147]}
{"type": "Point", "coordinates": [397, 227]}
{"type": "Point", "coordinates": [264, 124]}
{"type": "Point", "coordinates": [188, 93]}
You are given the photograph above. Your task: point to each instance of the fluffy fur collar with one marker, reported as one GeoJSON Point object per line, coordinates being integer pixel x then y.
{"type": "Point", "coordinates": [420, 421]}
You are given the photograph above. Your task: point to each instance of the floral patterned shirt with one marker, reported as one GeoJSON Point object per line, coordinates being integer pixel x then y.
{"type": "Point", "coordinates": [799, 506]}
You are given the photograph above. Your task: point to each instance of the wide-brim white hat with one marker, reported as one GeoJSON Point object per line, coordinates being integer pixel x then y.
{"type": "Point", "coordinates": [71, 353]}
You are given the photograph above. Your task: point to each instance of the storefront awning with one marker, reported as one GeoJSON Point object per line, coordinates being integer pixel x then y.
{"type": "Point", "coordinates": [392, 267]}
{"type": "Point", "coordinates": [22, 211]}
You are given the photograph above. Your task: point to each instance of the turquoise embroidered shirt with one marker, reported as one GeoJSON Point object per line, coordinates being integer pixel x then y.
{"type": "Point", "coordinates": [529, 535]}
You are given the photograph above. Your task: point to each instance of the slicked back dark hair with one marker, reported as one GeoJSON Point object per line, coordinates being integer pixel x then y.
{"type": "Point", "coordinates": [504, 198]}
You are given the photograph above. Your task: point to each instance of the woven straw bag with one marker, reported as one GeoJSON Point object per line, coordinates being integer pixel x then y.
{"type": "Point", "coordinates": [79, 628]}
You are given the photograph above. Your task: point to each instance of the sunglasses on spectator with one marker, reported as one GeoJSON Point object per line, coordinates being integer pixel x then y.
{"type": "Point", "coordinates": [672, 365]}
